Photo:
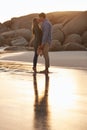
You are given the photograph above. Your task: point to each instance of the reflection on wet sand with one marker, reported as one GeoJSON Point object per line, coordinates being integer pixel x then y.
{"type": "Point", "coordinates": [57, 101]}
{"type": "Point", "coordinates": [41, 110]}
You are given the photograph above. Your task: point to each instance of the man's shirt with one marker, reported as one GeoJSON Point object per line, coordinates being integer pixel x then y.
{"type": "Point", "coordinates": [47, 32]}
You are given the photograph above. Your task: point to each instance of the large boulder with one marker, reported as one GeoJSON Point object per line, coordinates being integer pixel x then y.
{"type": "Point", "coordinates": [55, 46]}
{"type": "Point", "coordinates": [57, 33]}
{"type": "Point", "coordinates": [21, 22]}
{"type": "Point", "coordinates": [2, 40]}
{"type": "Point", "coordinates": [62, 17]}
{"type": "Point", "coordinates": [72, 46]}
{"type": "Point", "coordinates": [3, 28]}
{"type": "Point", "coordinates": [26, 33]}
{"type": "Point", "coordinates": [73, 38]}
{"type": "Point", "coordinates": [57, 26]}
{"type": "Point", "coordinates": [84, 38]}
{"type": "Point", "coordinates": [19, 41]}
{"type": "Point", "coordinates": [77, 25]}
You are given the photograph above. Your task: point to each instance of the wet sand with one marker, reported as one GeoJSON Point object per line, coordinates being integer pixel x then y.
{"type": "Point", "coordinates": [63, 58]}
{"type": "Point", "coordinates": [43, 102]}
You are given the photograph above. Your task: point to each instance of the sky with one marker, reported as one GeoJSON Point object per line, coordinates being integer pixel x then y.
{"type": "Point", "coordinates": [17, 8]}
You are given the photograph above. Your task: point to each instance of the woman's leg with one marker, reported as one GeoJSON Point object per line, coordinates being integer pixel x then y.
{"type": "Point", "coordinates": [35, 60]}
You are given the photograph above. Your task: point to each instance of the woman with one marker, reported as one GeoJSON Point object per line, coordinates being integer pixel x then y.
{"type": "Point", "coordinates": [37, 32]}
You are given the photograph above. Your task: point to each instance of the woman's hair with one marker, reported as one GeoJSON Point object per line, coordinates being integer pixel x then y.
{"type": "Point", "coordinates": [35, 21]}
{"type": "Point", "coordinates": [34, 24]}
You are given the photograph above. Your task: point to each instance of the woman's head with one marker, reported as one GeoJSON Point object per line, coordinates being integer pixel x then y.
{"type": "Point", "coordinates": [35, 24]}
{"type": "Point", "coordinates": [36, 21]}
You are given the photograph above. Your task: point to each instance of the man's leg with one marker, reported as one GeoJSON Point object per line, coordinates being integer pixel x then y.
{"type": "Point", "coordinates": [46, 56]}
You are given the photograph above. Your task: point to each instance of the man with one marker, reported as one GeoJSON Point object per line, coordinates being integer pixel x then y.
{"type": "Point", "coordinates": [46, 39]}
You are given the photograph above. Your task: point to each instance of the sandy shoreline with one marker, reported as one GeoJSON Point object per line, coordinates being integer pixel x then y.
{"type": "Point", "coordinates": [73, 59]}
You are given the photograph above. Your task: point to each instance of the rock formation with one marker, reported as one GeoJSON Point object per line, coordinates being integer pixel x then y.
{"type": "Point", "coordinates": [69, 30]}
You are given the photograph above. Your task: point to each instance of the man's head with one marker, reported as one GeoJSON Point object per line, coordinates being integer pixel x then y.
{"type": "Point", "coordinates": [42, 16]}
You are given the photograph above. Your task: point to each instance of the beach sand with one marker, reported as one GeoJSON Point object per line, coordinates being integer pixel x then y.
{"type": "Point", "coordinates": [62, 58]}
{"type": "Point", "coordinates": [43, 102]}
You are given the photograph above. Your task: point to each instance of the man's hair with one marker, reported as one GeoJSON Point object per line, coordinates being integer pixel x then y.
{"type": "Point", "coordinates": [42, 15]}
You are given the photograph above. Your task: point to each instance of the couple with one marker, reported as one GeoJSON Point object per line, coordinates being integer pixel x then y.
{"type": "Point", "coordinates": [42, 40]}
